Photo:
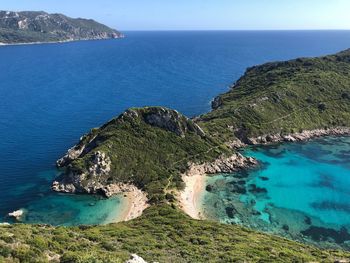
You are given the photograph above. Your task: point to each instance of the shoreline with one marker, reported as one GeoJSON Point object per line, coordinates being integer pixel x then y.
{"type": "Point", "coordinates": [190, 197]}
{"type": "Point", "coordinates": [195, 177]}
{"type": "Point", "coordinates": [134, 202]}
{"type": "Point", "coordinates": [306, 135]}
{"type": "Point", "coordinates": [2, 44]}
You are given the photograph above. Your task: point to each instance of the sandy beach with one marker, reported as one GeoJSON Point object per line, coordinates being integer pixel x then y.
{"type": "Point", "coordinates": [189, 198]}
{"type": "Point", "coordinates": [134, 202]}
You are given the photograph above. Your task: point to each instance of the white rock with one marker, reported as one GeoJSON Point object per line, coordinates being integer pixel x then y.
{"type": "Point", "coordinates": [17, 214]}
{"type": "Point", "coordinates": [136, 259]}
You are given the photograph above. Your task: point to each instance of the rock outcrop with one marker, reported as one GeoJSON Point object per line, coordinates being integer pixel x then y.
{"type": "Point", "coordinates": [167, 119]}
{"type": "Point", "coordinates": [85, 182]}
{"type": "Point", "coordinates": [292, 137]}
{"type": "Point", "coordinates": [76, 151]}
{"type": "Point", "coordinates": [135, 259]}
{"type": "Point", "coordinates": [223, 164]}
{"type": "Point", "coordinates": [16, 214]}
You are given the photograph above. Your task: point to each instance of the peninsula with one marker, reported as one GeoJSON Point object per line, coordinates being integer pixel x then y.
{"type": "Point", "coordinates": [40, 27]}
{"type": "Point", "coordinates": [155, 150]}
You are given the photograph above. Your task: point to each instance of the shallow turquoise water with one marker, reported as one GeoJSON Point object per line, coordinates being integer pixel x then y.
{"type": "Point", "coordinates": [300, 190]}
{"type": "Point", "coordinates": [65, 209]}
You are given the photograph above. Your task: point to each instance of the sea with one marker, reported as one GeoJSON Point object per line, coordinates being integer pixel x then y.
{"type": "Point", "coordinates": [52, 94]}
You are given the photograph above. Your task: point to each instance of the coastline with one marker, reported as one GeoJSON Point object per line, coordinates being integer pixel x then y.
{"type": "Point", "coordinates": [190, 197]}
{"type": "Point", "coordinates": [134, 203]}
{"type": "Point", "coordinates": [292, 137]}
{"type": "Point", "coordinates": [55, 42]}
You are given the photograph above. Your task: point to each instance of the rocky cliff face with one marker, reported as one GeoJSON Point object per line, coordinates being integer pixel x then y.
{"type": "Point", "coordinates": [167, 119]}
{"type": "Point", "coordinates": [90, 181]}
{"type": "Point", "coordinates": [223, 164]}
{"type": "Point", "coordinates": [292, 137]}
{"type": "Point", "coordinates": [25, 27]}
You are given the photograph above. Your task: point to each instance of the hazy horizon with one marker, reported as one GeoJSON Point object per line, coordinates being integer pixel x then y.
{"type": "Point", "coordinates": [200, 15]}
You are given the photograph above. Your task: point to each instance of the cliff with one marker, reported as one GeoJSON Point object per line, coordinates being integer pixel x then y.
{"type": "Point", "coordinates": [33, 27]}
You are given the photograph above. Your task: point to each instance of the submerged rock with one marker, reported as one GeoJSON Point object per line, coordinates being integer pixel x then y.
{"type": "Point", "coordinates": [230, 211]}
{"type": "Point", "coordinates": [324, 234]}
{"type": "Point", "coordinates": [209, 188]}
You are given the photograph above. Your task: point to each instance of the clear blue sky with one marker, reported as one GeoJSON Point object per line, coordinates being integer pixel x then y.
{"type": "Point", "coordinates": [199, 14]}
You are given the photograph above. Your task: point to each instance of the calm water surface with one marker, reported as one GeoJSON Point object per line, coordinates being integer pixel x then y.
{"type": "Point", "coordinates": [52, 94]}
{"type": "Point", "coordinates": [300, 190]}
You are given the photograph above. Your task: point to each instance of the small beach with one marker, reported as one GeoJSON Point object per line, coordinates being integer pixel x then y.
{"type": "Point", "coordinates": [191, 197]}
{"type": "Point", "coordinates": [133, 204]}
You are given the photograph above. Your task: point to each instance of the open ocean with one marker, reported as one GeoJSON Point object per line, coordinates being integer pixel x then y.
{"type": "Point", "coordinates": [51, 94]}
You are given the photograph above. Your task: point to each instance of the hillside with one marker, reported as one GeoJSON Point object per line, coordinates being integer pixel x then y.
{"type": "Point", "coordinates": [162, 234]}
{"type": "Point", "coordinates": [147, 147]}
{"type": "Point", "coordinates": [283, 98]}
{"type": "Point", "coordinates": [32, 27]}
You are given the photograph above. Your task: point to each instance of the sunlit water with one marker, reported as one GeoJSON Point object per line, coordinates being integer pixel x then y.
{"type": "Point", "coordinates": [300, 190]}
{"type": "Point", "coordinates": [52, 94]}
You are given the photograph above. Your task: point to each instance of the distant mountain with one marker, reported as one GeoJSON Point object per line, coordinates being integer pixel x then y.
{"type": "Point", "coordinates": [33, 27]}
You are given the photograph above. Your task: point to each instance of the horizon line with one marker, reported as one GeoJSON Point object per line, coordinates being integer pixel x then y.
{"type": "Point", "coordinates": [228, 30]}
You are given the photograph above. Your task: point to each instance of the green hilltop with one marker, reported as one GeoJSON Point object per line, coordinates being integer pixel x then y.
{"type": "Point", "coordinates": [284, 97]}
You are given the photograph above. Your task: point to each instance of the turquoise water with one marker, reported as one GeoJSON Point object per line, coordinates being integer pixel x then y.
{"type": "Point", "coordinates": [52, 94]}
{"type": "Point", "coordinates": [65, 209]}
{"type": "Point", "coordinates": [300, 190]}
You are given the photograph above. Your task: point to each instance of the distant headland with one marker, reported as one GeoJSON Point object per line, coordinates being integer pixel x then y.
{"type": "Point", "coordinates": [32, 27]}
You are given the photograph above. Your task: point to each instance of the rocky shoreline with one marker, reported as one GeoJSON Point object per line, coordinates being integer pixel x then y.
{"type": "Point", "coordinates": [194, 179]}
{"type": "Point", "coordinates": [292, 137]}
{"type": "Point", "coordinates": [58, 42]}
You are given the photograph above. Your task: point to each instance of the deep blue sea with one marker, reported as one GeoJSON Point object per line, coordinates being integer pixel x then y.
{"type": "Point", "coordinates": [51, 94]}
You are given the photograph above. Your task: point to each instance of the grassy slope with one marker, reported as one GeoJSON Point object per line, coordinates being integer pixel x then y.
{"type": "Point", "coordinates": [285, 97]}
{"type": "Point", "coordinates": [162, 234]}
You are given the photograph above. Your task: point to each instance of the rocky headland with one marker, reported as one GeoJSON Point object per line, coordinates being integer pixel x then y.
{"type": "Point", "coordinates": [29, 27]}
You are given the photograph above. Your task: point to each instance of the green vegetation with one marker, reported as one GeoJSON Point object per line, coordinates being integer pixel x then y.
{"type": "Point", "coordinates": [284, 97]}
{"type": "Point", "coordinates": [30, 27]}
{"type": "Point", "coordinates": [149, 147]}
{"type": "Point", "coordinates": [162, 234]}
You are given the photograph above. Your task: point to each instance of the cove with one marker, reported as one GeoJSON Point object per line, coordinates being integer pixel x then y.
{"type": "Point", "coordinates": [300, 191]}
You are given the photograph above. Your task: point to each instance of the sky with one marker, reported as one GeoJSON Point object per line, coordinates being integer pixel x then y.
{"type": "Point", "coordinates": [199, 14]}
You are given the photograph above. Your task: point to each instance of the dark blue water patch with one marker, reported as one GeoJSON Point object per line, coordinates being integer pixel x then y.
{"type": "Point", "coordinates": [326, 181]}
{"type": "Point", "coordinates": [323, 234]}
{"type": "Point", "coordinates": [330, 205]}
